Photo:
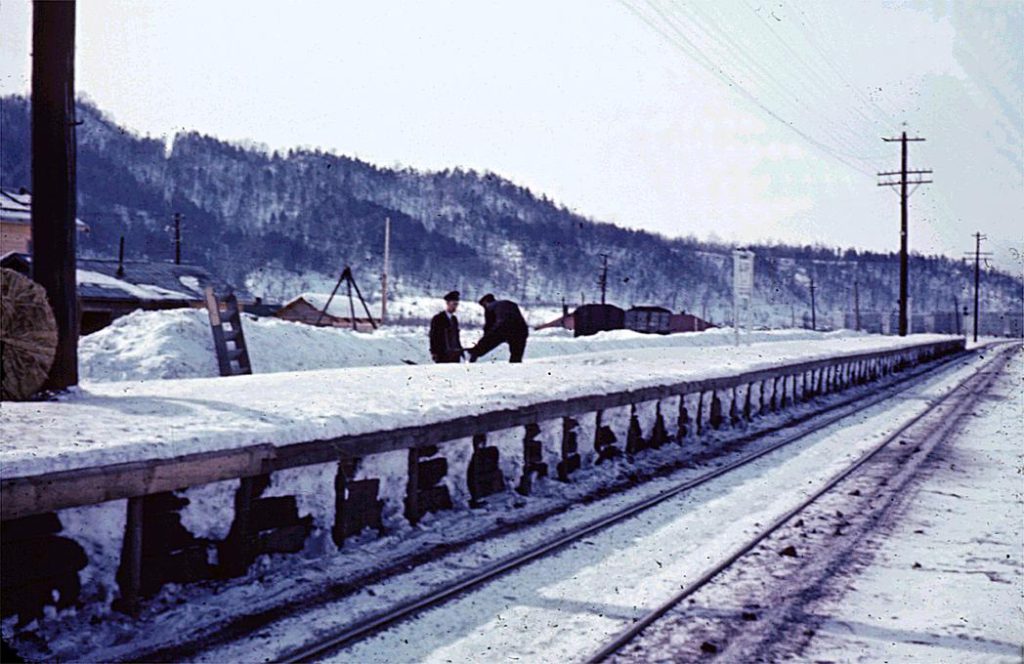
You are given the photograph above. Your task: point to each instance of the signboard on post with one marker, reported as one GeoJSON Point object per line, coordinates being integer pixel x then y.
{"type": "Point", "coordinates": [742, 288]}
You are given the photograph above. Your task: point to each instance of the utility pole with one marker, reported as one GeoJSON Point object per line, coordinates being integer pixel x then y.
{"type": "Point", "coordinates": [814, 323]}
{"type": "Point", "coordinates": [603, 279]}
{"type": "Point", "coordinates": [978, 253]}
{"type": "Point", "coordinates": [54, 182]}
{"type": "Point", "coordinates": [120, 258]}
{"type": "Point", "coordinates": [856, 305]}
{"type": "Point", "coordinates": [384, 274]}
{"type": "Point", "coordinates": [956, 314]}
{"type": "Point", "coordinates": [902, 182]}
{"type": "Point", "coordinates": [177, 238]}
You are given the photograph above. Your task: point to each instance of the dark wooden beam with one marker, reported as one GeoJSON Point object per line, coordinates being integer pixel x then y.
{"type": "Point", "coordinates": [53, 176]}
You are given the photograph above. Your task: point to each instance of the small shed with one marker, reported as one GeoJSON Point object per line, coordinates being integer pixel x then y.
{"type": "Point", "coordinates": [307, 308]}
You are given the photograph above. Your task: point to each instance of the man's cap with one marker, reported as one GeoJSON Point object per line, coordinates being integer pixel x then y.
{"type": "Point", "coordinates": [451, 296]}
{"type": "Point", "coordinates": [487, 299]}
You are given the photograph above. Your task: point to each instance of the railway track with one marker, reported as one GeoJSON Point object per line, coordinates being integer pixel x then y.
{"type": "Point", "coordinates": [926, 430]}
{"type": "Point", "coordinates": [830, 415]}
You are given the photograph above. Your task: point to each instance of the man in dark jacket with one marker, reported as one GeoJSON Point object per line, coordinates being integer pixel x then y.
{"type": "Point", "coordinates": [503, 323]}
{"type": "Point", "coordinates": [445, 346]}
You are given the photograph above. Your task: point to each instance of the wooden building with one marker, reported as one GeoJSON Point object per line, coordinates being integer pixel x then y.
{"type": "Point", "coordinates": [16, 222]}
{"type": "Point", "coordinates": [308, 308]}
{"type": "Point", "coordinates": [108, 289]}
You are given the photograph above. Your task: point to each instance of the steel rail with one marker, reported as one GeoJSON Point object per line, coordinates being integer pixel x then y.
{"type": "Point", "coordinates": [364, 628]}
{"type": "Point", "coordinates": [974, 385]}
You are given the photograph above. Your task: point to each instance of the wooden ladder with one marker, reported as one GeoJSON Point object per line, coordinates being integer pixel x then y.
{"type": "Point", "coordinates": [233, 361]}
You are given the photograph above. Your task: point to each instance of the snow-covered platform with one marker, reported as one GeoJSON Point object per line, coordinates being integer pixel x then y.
{"type": "Point", "coordinates": [110, 423]}
{"type": "Point", "coordinates": [171, 481]}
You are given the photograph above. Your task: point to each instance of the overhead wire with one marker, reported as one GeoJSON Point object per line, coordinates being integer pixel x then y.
{"type": "Point", "coordinates": [884, 117]}
{"type": "Point", "coordinates": [676, 37]}
{"type": "Point", "coordinates": [814, 73]}
{"type": "Point", "coordinates": [799, 103]}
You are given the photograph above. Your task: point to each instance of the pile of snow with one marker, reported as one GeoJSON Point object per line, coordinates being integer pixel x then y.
{"type": "Point", "coordinates": [177, 343]}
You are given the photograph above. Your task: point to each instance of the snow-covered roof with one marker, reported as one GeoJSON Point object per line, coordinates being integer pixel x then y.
{"type": "Point", "coordinates": [143, 281]}
{"type": "Point", "coordinates": [16, 208]}
{"type": "Point", "coordinates": [339, 305]}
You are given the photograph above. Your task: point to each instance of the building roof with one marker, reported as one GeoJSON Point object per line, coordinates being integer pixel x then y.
{"type": "Point", "coordinates": [339, 305]}
{"type": "Point", "coordinates": [651, 309]}
{"type": "Point", "coordinates": [143, 281]}
{"type": "Point", "coordinates": [16, 208]}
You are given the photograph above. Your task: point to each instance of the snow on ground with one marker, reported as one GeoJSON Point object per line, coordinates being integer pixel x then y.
{"type": "Point", "coordinates": [102, 423]}
{"type": "Point", "coordinates": [954, 555]}
{"type": "Point", "coordinates": [177, 343]}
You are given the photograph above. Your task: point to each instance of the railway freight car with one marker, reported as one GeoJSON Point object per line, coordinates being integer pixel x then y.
{"type": "Point", "coordinates": [593, 318]}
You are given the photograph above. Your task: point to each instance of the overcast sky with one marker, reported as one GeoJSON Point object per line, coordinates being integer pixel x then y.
{"type": "Point", "coordinates": [740, 120]}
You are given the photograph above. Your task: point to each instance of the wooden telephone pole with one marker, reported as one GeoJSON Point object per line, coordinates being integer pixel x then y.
{"type": "Point", "coordinates": [856, 305]}
{"type": "Point", "coordinates": [54, 184]}
{"type": "Point", "coordinates": [177, 238]}
{"type": "Point", "coordinates": [814, 321]}
{"type": "Point", "coordinates": [602, 281]}
{"type": "Point", "coordinates": [384, 274]}
{"type": "Point", "coordinates": [978, 253]}
{"type": "Point", "coordinates": [902, 183]}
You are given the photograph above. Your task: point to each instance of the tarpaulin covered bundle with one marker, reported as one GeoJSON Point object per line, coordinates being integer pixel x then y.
{"type": "Point", "coordinates": [28, 335]}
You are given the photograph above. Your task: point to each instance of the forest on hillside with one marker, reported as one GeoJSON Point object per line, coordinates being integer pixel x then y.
{"type": "Point", "coordinates": [281, 223]}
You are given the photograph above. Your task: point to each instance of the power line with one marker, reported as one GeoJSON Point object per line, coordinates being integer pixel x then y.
{"type": "Point", "coordinates": [682, 42]}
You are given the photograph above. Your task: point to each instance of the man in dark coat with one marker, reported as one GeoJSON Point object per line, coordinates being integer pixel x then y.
{"type": "Point", "coordinates": [445, 346]}
{"type": "Point", "coordinates": [503, 323]}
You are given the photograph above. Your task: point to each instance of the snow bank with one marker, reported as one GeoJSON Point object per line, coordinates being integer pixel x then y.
{"type": "Point", "coordinates": [177, 343]}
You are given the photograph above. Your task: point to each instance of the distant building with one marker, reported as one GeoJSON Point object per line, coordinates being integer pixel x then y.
{"type": "Point", "coordinates": [16, 222]}
{"type": "Point", "coordinates": [108, 289]}
{"type": "Point", "coordinates": [308, 308]}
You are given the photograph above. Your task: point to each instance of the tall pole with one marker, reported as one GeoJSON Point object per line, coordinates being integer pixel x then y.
{"type": "Point", "coordinates": [956, 314]}
{"type": "Point", "coordinates": [903, 239]}
{"type": "Point", "coordinates": [603, 280]}
{"type": "Point", "coordinates": [904, 196]}
{"type": "Point", "coordinates": [177, 238]}
{"type": "Point", "coordinates": [977, 278]}
{"type": "Point", "coordinates": [54, 184]}
{"type": "Point", "coordinates": [384, 274]}
{"type": "Point", "coordinates": [856, 305]}
{"type": "Point", "coordinates": [814, 323]}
